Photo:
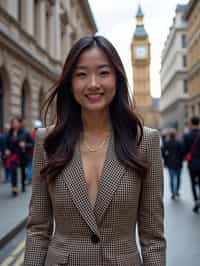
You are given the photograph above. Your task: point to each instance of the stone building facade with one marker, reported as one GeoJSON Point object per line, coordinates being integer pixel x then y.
{"type": "Point", "coordinates": [173, 75]}
{"type": "Point", "coordinates": [35, 37]}
{"type": "Point", "coordinates": [192, 15]}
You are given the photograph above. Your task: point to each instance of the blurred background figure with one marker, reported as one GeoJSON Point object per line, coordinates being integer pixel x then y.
{"type": "Point", "coordinates": [5, 172]}
{"type": "Point", "coordinates": [172, 151]}
{"type": "Point", "coordinates": [192, 155]}
{"type": "Point", "coordinates": [36, 124]}
{"type": "Point", "coordinates": [18, 144]}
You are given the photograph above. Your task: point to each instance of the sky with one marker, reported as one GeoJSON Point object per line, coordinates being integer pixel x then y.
{"type": "Point", "coordinates": [116, 21]}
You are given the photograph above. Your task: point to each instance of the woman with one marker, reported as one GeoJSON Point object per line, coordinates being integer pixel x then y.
{"type": "Point", "coordinates": [96, 172]}
{"type": "Point", "coordinates": [172, 151]}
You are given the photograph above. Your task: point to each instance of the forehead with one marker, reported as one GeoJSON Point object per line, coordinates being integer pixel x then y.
{"type": "Point", "coordinates": [93, 56]}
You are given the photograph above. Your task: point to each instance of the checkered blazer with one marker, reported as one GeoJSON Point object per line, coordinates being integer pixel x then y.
{"type": "Point", "coordinates": [63, 229]}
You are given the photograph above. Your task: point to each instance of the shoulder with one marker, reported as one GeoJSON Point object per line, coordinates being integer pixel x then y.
{"type": "Point", "coordinates": [150, 140]}
{"type": "Point", "coordinates": [150, 133]}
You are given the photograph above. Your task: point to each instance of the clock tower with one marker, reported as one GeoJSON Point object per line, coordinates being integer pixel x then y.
{"type": "Point", "coordinates": [141, 55]}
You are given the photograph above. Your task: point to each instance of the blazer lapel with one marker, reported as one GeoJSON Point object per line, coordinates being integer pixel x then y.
{"type": "Point", "coordinates": [74, 178]}
{"type": "Point", "coordinates": [113, 170]}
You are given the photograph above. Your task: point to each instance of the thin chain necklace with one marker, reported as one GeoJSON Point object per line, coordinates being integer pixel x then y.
{"type": "Point", "coordinates": [99, 147]}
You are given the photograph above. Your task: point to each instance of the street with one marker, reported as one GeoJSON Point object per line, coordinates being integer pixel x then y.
{"type": "Point", "coordinates": [181, 227]}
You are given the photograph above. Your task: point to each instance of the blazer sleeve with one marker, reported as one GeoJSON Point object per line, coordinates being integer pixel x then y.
{"type": "Point", "coordinates": [40, 219]}
{"type": "Point", "coordinates": [151, 211]}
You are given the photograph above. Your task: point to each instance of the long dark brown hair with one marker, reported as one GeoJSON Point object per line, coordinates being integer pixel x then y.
{"type": "Point", "coordinates": [127, 127]}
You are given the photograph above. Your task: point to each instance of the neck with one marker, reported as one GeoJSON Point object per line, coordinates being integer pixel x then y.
{"type": "Point", "coordinates": [96, 123]}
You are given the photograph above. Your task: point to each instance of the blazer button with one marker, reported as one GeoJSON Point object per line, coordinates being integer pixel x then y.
{"type": "Point", "coordinates": [95, 239]}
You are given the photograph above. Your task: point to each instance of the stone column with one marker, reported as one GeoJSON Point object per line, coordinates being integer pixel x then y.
{"type": "Point", "coordinates": [41, 23]}
{"type": "Point", "coordinates": [67, 38]}
{"type": "Point", "coordinates": [57, 30]}
{"type": "Point", "coordinates": [28, 16]}
{"type": "Point", "coordinates": [51, 32]}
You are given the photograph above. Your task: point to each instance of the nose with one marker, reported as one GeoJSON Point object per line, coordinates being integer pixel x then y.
{"type": "Point", "coordinates": [94, 83]}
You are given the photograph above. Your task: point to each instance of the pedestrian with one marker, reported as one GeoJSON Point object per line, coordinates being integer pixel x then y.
{"type": "Point", "coordinates": [2, 152]}
{"type": "Point", "coordinates": [172, 152]}
{"type": "Point", "coordinates": [17, 144]}
{"type": "Point", "coordinates": [192, 155]}
{"type": "Point", "coordinates": [96, 172]}
{"type": "Point", "coordinates": [3, 139]}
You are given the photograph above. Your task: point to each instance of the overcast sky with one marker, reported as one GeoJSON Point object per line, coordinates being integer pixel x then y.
{"type": "Point", "coordinates": [115, 20]}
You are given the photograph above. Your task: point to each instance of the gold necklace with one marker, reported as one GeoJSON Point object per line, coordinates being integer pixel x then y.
{"type": "Point", "coordinates": [99, 147]}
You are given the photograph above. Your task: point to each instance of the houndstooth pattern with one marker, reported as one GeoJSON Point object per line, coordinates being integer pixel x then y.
{"type": "Point", "coordinates": [62, 222]}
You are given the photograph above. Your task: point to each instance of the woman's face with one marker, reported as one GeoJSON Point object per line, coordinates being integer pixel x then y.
{"type": "Point", "coordinates": [94, 80]}
{"type": "Point", "coordinates": [16, 123]}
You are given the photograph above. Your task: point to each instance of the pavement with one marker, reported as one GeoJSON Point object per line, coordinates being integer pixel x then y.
{"type": "Point", "coordinates": [13, 212]}
{"type": "Point", "coordinates": [181, 225]}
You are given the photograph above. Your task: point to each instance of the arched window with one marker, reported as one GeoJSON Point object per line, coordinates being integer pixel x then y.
{"type": "Point", "coordinates": [40, 102]}
{"type": "Point", "coordinates": [25, 101]}
{"type": "Point", "coordinates": [1, 105]}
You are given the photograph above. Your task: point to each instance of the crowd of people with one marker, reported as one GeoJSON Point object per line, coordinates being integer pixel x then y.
{"type": "Point", "coordinates": [16, 152]}
{"type": "Point", "coordinates": [177, 150]}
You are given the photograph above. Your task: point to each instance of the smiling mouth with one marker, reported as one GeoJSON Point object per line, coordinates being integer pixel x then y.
{"type": "Point", "coordinates": [94, 97]}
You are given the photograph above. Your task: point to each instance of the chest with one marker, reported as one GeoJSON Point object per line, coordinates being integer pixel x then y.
{"type": "Point", "coordinates": [92, 164]}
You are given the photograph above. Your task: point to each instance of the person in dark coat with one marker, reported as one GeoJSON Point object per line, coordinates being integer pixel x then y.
{"type": "Point", "coordinates": [17, 145]}
{"type": "Point", "coordinates": [172, 151]}
{"type": "Point", "coordinates": [192, 145]}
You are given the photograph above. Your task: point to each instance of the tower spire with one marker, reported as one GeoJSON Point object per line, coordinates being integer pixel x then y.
{"type": "Point", "coordinates": [140, 30]}
{"type": "Point", "coordinates": [139, 15]}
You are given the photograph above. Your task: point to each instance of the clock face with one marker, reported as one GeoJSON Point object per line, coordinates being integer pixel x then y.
{"type": "Point", "coordinates": [141, 51]}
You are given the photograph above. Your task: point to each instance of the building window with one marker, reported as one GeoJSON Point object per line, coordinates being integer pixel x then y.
{"type": "Point", "coordinates": [184, 61]}
{"type": "Point", "coordinates": [25, 100]}
{"type": "Point", "coordinates": [19, 11]}
{"type": "Point", "coordinates": [193, 110]}
{"type": "Point", "coordinates": [183, 41]}
{"type": "Point", "coordinates": [36, 20]}
{"type": "Point", "coordinates": [186, 113]}
{"type": "Point", "coordinates": [48, 28]}
{"type": "Point", "coordinates": [185, 86]}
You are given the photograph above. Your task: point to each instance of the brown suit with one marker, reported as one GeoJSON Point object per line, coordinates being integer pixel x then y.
{"type": "Point", "coordinates": [63, 229]}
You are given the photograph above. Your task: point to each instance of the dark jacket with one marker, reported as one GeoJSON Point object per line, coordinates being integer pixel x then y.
{"type": "Point", "coordinates": [2, 143]}
{"type": "Point", "coordinates": [12, 144]}
{"type": "Point", "coordinates": [172, 152]}
{"type": "Point", "coordinates": [189, 139]}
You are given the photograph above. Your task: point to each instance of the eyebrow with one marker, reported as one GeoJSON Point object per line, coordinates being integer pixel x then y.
{"type": "Point", "coordinates": [100, 66]}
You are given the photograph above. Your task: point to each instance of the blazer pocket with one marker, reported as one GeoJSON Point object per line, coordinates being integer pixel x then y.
{"type": "Point", "coordinates": [131, 259]}
{"type": "Point", "coordinates": [56, 258]}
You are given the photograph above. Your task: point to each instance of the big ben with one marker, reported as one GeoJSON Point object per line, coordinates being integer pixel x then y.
{"type": "Point", "coordinates": [141, 55]}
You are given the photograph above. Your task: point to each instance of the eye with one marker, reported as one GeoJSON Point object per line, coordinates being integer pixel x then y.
{"type": "Point", "coordinates": [104, 73]}
{"type": "Point", "coordinates": [80, 74]}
